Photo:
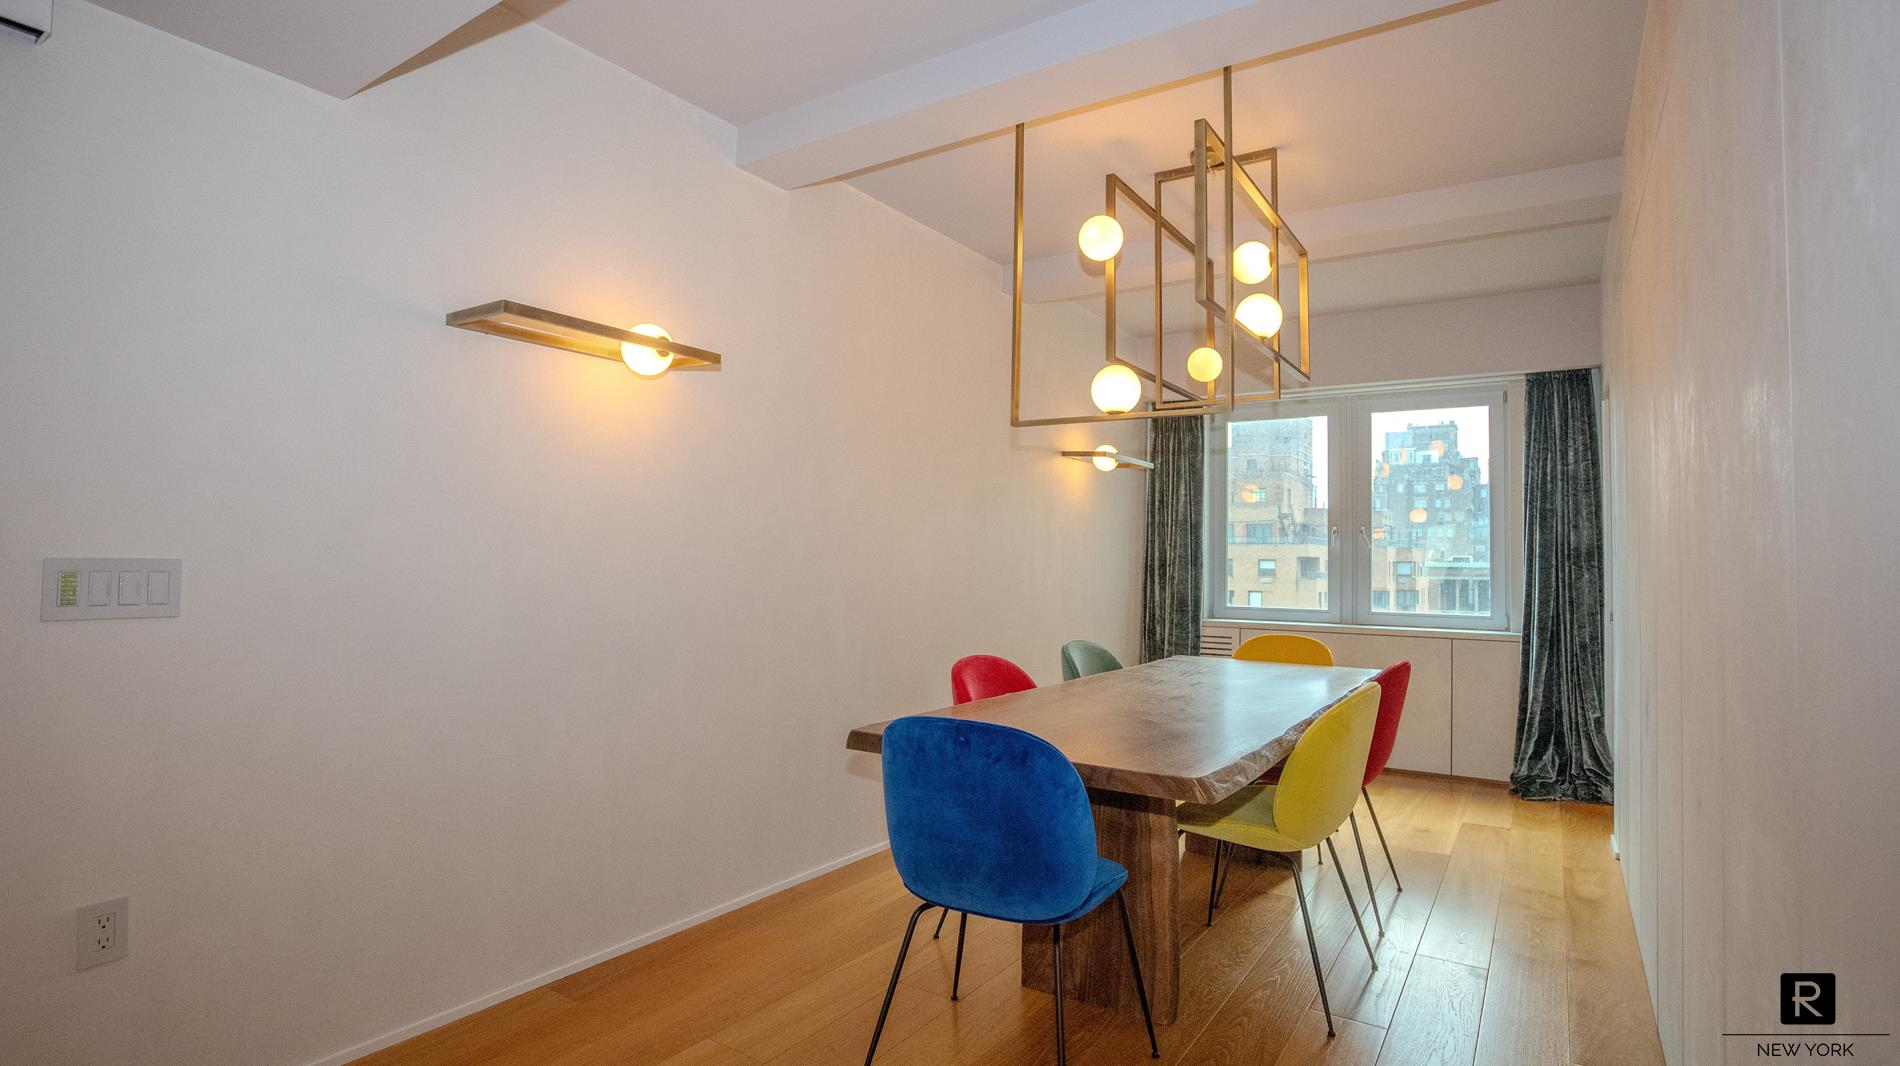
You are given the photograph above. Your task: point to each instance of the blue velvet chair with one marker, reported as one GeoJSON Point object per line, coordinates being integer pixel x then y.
{"type": "Point", "coordinates": [993, 821]}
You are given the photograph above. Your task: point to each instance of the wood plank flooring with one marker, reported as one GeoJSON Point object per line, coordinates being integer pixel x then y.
{"type": "Point", "coordinates": [1511, 944]}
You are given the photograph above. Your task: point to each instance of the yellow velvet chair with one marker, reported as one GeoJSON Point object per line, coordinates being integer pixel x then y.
{"type": "Point", "coordinates": [1284, 648]}
{"type": "Point", "coordinates": [1318, 786]}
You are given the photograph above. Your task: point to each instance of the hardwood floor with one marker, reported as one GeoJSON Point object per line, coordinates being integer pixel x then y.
{"type": "Point", "coordinates": [1511, 944]}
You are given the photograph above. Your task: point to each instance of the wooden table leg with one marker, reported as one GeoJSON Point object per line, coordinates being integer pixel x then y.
{"type": "Point", "coordinates": [1139, 833]}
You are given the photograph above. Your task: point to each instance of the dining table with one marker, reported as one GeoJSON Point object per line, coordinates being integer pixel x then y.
{"type": "Point", "coordinates": [1144, 739]}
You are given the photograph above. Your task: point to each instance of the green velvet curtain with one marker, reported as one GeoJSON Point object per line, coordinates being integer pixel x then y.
{"type": "Point", "coordinates": [1171, 564]}
{"type": "Point", "coordinates": [1562, 749]}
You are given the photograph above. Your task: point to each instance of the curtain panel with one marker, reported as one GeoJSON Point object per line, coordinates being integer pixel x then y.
{"type": "Point", "coordinates": [1171, 560]}
{"type": "Point", "coordinates": [1563, 751]}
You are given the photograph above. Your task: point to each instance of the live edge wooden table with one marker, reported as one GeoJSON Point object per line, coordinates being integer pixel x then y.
{"type": "Point", "coordinates": [1144, 738]}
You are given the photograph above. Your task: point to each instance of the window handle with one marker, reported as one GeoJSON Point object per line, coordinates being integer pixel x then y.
{"type": "Point", "coordinates": [1364, 536]}
{"type": "Point", "coordinates": [1332, 535]}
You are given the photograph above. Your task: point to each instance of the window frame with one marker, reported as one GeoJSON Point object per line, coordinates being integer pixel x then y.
{"type": "Point", "coordinates": [1334, 411]}
{"type": "Point", "coordinates": [1349, 503]}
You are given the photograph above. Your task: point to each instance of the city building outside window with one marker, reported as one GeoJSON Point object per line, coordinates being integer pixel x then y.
{"type": "Point", "coordinates": [1383, 503]}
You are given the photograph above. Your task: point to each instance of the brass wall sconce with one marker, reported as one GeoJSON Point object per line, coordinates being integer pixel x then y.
{"type": "Point", "coordinates": [1107, 458]}
{"type": "Point", "coordinates": [646, 349]}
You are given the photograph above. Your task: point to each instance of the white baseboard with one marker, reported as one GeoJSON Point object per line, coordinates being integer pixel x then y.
{"type": "Point", "coordinates": [433, 1021]}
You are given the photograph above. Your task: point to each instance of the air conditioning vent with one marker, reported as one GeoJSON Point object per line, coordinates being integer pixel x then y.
{"type": "Point", "coordinates": [1219, 641]}
{"type": "Point", "coordinates": [29, 18]}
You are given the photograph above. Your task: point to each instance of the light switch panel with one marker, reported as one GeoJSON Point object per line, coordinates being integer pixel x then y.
{"type": "Point", "coordinates": [76, 589]}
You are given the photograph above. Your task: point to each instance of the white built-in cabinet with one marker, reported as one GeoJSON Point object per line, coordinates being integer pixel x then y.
{"type": "Point", "coordinates": [1461, 709]}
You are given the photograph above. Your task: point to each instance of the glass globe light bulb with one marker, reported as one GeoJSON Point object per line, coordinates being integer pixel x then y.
{"type": "Point", "coordinates": [1204, 364]}
{"type": "Point", "coordinates": [642, 360]}
{"type": "Point", "coordinates": [1253, 263]}
{"type": "Point", "coordinates": [1261, 314]}
{"type": "Point", "coordinates": [1105, 458]}
{"type": "Point", "coordinates": [1116, 389]}
{"type": "Point", "coordinates": [1418, 514]}
{"type": "Point", "coordinates": [1100, 238]}
{"type": "Point", "coordinates": [1454, 482]}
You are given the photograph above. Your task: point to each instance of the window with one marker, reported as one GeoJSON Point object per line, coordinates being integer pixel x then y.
{"type": "Point", "coordinates": [1430, 579]}
{"type": "Point", "coordinates": [1384, 503]}
{"type": "Point", "coordinates": [1276, 496]}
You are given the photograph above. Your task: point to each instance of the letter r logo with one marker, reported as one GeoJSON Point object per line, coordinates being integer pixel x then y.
{"type": "Point", "coordinates": [1807, 999]}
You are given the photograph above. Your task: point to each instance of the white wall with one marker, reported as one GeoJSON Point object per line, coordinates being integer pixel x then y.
{"type": "Point", "coordinates": [492, 658]}
{"type": "Point", "coordinates": [1506, 333]}
{"type": "Point", "coordinates": [1748, 330]}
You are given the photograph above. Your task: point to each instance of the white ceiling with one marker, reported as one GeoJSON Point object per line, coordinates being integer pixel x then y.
{"type": "Point", "coordinates": [1504, 89]}
{"type": "Point", "coordinates": [1427, 147]}
{"type": "Point", "coordinates": [744, 59]}
{"type": "Point", "coordinates": [336, 46]}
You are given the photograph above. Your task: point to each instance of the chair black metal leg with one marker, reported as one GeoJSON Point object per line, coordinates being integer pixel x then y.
{"type": "Point", "coordinates": [1213, 879]}
{"type": "Point", "coordinates": [1134, 962]}
{"type": "Point", "coordinates": [1351, 904]}
{"type": "Point", "coordinates": [940, 921]}
{"type": "Point", "coordinates": [1371, 896]}
{"type": "Point", "coordinates": [1300, 891]}
{"type": "Point", "coordinates": [956, 977]}
{"type": "Point", "coordinates": [1062, 1041]}
{"type": "Point", "coordinates": [1374, 811]}
{"type": "Point", "coordinates": [896, 970]}
{"type": "Point", "coordinates": [1226, 870]}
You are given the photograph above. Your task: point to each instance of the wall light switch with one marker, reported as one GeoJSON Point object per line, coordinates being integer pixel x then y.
{"type": "Point", "coordinates": [76, 589]}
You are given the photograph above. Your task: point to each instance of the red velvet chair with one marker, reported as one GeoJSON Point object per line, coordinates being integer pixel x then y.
{"type": "Point", "coordinates": [978, 677]}
{"type": "Point", "coordinates": [1392, 682]}
{"type": "Point", "coordinates": [972, 678]}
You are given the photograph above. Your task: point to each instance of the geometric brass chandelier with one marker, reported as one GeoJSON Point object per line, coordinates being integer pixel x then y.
{"type": "Point", "coordinates": [1230, 320]}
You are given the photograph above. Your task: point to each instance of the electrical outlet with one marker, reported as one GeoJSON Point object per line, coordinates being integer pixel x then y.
{"type": "Point", "coordinates": [102, 932]}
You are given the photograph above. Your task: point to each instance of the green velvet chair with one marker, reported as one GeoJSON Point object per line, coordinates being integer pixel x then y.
{"type": "Point", "coordinates": [1080, 658]}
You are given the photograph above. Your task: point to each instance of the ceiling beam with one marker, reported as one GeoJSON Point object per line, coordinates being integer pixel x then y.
{"type": "Point", "coordinates": [1074, 60]}
{"type": "Point", "coordinates": [1540, 199]}
{"type": "Point", "coordinates": [334, 46]}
